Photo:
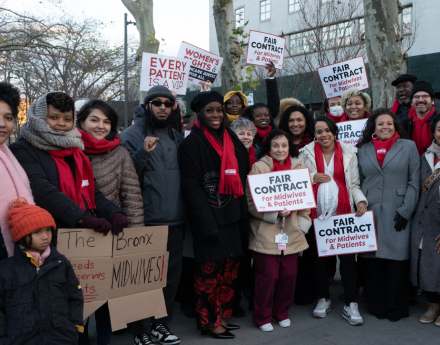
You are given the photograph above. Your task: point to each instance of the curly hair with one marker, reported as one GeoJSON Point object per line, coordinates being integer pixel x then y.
{"type": "Point", "coordinates": [274, 135]}
{"type": "Point", "coordinates": [61, 101]}
{"type": "Point", "coordinates": [370, 127]}
{"type": "Point", "coordinates": [284, 121]}
{"type": "Point", "coordinates": [435, 120]}
{"type": "Point", "coordinates": [11, 96]}
{"type": "Point", "coordinates": [242, 122]}
{"type": "Point", "coordinates": [248, 113]}
{"type": "Point", "coordinates": [355, 92]}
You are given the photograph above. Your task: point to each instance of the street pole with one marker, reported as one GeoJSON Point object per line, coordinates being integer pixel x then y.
{"type": "Point", "coordinates": [126, 23]}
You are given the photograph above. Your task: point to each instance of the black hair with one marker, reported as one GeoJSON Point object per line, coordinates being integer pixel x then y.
{"type": "Point", "coordinates": [108, 111]}
{"type": "Point", "coordinates": [276, 134]}
{"type": "Point", "coordinates": [176, 120]}
{"type": "Point", "coordinates": [61, 101]}
{"type": "Point", "coordinates": [284, 121]}
{"type": "Point", "coordinates": [370, 127]}
{"type": "Point", "coordinates": [331, 124]}
{"type": "Point", "coordinates": [248, 113]}
{"type": "Point", "coordinates": [26, 244]}
{"type": "Point", "coordinates": [11, 96]}
{"type": "Point", "coordinates": [435, 120]}
{"type": "Point", "coordinates": [149, 120]}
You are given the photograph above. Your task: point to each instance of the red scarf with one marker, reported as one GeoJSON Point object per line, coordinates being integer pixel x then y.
{"type": "Point", "coordinates": [335, 119]}
{"type": "Point", "coordinates": [252, 158]}
{"type": "Point", "coordinates": [263, 133]}
{"type": "Point", "coordinates": [305, 140]}
{"type": "Point", "coordinates": [94, 146]}
{"type": "Point", "coordinates": [382, 147]}
{"type": "Point", "coordinates": [278, 167]}
{"type": "Point", "coordinates": [83, 188]}
{"type": "Point", "coordinates": [421, 132]}
{"type": "Point", "coordinates": [345, 119]}
{"type": "Point", "coordinates": [395, 106]}
{"type": "Point", "coordinates": [229, 173]}
{"type": "Point", "coordinates": [338, 176]}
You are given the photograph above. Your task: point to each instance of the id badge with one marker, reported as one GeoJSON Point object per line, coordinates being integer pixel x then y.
{"type": "Point", "coordinates": [281, 239]}
{"type": "Point", "coordinates": [281, 247]}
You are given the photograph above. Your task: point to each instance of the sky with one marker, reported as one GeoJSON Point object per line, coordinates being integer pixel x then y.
{"type": "Point", "coordinates": [174, 20]}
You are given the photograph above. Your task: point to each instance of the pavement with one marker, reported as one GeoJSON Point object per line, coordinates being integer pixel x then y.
{"type": "Point", "coordinates": [305, 330]}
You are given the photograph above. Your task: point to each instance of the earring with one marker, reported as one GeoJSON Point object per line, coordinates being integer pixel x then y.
{"type": "Point", "coordinates": [374, 134]}
{"type": "Point", "coordinates": [315, 140]}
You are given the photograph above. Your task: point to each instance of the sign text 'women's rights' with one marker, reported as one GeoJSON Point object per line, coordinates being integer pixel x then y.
{"type": "Point", "coordinates": [277, 191]}
{"type": "Point", "coordinates": [343, 75]}
{"type": "Point", "coordinates": [264, 48]}
{"type": "Point", "coordinates": [345, 234]}
{"type": "Point", "coordinates": [164, 70]}
{"type": "Point", "coordinates": [350, 132]}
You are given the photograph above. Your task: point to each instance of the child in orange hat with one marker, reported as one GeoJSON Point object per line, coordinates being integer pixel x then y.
{"type": "Point", "coordinates": [41, 301]}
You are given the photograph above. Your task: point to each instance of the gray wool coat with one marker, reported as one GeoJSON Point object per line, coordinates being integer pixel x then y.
{"type": "Point", "coordinates": [394, 187]}
{"type": "Point", "coordinates": [426, 225]}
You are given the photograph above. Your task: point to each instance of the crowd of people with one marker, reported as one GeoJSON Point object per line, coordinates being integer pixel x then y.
{"type": "Point", "coordinates": [71, 168]}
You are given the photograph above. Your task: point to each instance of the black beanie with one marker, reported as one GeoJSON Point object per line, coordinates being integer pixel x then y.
{"type": "Point", "coordinates": [404, 77]}
{"type": "Point", "coordinates": [204, 98]}
{"type": "Point", "coordinates": [422, 86]}
{"type": "Point", "coordinates": [158, 91]}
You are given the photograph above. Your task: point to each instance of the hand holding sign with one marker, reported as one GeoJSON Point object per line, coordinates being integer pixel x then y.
{"type": "Point", "coordinates": [361, 209]}
{"type": "Point", "coordinates": [150, 143]}
{"type": "Point", "coordinates": [270, 69]}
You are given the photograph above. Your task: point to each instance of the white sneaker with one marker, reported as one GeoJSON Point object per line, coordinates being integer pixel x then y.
{"type": "Point", "coordinates": [267, 327]}
{"type": "Point", "coordinates": [322, 308]}
{"type": "Point", "coordinates": [351, 314]}
{"type": "Point", "coordinates": [284, 323]}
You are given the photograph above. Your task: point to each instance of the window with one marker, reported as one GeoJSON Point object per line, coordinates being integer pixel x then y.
{"type": "Point", "coordinates": [264, 10]}
{"type": "Point", "coordinates": [406, 21]}
{"type": "Point", "coordinates": [325, 1]}
{"type": "Point", "coordinates": [301, 43]}
{"type": "Point", "coordinates": [344, 33]}
{"type": "Point", "coordinates": [329, 36]}
{"type": "Point", "coordinates": [361, 27]}
{"type": "Point", "coordinates": [239, 17]}
{"type": "Point", "coordinates": [294, 6]}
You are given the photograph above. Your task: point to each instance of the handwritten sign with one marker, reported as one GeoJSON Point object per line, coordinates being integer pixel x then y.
{"type": "Point", "coordinates": [350, 132]}
{"type": "Point", "coordinates": [276, 191]}
{"type": "Point", "coordinates": [341, 76]}
{"type": "Point", "coordinates": [167, 71]}
{"type": "Point", "coordinates": [264, 48]}
{"type": "Point", "coordinates": [204, 66]}
{"type": "Point", "coordinates": [345, 234]}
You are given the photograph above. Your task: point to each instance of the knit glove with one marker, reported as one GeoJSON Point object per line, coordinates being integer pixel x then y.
{"type": "Point", "coordinates": [213, 236]}
{"type": "Point", "coordinates": [118, 222]}
{"type": "Point", "coordinates": [97, 224]}
{"type": "Point", "coordinates": [400, 222]}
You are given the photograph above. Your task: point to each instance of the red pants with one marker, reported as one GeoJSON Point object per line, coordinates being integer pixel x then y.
{"type": "Point", "coordinates": [275, 278]}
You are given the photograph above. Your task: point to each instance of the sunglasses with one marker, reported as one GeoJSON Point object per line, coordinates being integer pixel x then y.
{"type": "Point", "coordinates": [157, 103]}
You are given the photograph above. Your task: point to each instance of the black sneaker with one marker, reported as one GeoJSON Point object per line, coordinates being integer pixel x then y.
{"type": "Point", "coordinates": [143, 339]}
{"type": "Point", "coordinates": [162, 334]}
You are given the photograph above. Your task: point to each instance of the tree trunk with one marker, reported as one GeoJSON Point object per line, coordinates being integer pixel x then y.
{"type": "Point", "coordinates": [228, 48]}
{"type": "Point", "coordinates": [142, 11]}
{"type": "Point", "coordinates": [384, 48]}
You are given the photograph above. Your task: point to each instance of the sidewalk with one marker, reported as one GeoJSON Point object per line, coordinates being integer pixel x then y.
{"type": "Point", "coordinates": [306, 330]}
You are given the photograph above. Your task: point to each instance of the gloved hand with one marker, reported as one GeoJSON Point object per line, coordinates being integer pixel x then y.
{"type": "Point", "coordinates": [118, 222]}
{"type": "Point", "coordinates": [97, 224]}
{"type": "Point", "coordinates": [213, 236]}
{"type": "Point", "coordinates": [400, 222]}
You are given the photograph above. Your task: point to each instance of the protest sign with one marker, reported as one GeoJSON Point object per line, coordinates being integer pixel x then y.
{"type": "Point", "coordinates": [350, 132]}
{"type": "Point", "coordinates": [204, 66]}
{"type": "Point", "coordinates": [345, 234]}
{"type": "Point", "coordinates": [128, 271]}
{"type": "Point", "coordinates": [164, 70]}
{"type": "Point", "coordinates": [264, 48]}
{"type": "Point", "coordinates": [277, 191]}
{"type": "Point", "coordinates": [343, 75]}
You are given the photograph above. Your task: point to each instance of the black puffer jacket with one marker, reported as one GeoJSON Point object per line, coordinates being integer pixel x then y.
{"type": "Point", "coordinates": [39, 306]}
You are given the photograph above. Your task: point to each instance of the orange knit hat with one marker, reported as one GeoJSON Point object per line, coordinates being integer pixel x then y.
{"type": "Point", "coordinates": [24, 219]}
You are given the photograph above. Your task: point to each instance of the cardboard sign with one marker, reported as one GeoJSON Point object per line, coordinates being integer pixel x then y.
{"type": "Point", "coordinates": [277, 191]}
{"type": "Point", "coordinates": [343, 75]}
{"type": "Point", "coordinates": [346, 234]}
{"type": "Point", "coordinates": [204, 66]}
{"type": "Point", "coordinates": [128, 271]}
{"type": "Point", "coordinates": [164, 70]}
{"type": "Point", "coordinates": [350, 132]}
{"type": "Point", "coordinates": [264, 48]}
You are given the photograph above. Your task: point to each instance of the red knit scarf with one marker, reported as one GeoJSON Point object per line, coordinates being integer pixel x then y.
{"type": "Point", "coordinates": [229, 173]}
{"type": "Point", "coordinates": [305, 140]}
{"type": "Point", "coordinates": [421, 132]}
{"type": "Point", "coordinates": [382, 147]}
{"type": "Point", "coordinates": [278, 167]}
{"type": "Point", "coordinates": [338, 176]}
{"type": "Point", "coordinates": [395, 106]}
{"type": "Point", "coordinates": [263, 133]}
{"type": "Point", "coordinates": [252, 158]}
{"type": "Point", "coordinates": [93, 146]}
{"type": "Point", "coordinates": [83, 188]}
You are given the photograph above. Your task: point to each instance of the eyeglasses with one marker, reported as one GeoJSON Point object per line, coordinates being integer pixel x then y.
{"type": "Point", "coordinates": [157, 103]}
{"type": "Point", "coordinates": [421, 97]}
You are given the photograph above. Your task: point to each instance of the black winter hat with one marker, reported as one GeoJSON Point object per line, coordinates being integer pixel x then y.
{"type": "Point", "coordinates": [158, 91]}
{"type": "Point", "coordinates": [204, 98]}
{"type": "Point", "coordinates": [404, 77]}
{"type": "Point", "coordinates": [422, 86]}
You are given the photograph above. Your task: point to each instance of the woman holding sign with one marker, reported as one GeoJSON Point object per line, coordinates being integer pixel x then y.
{"type": "Point", "coordinates": [275, 266]}
{"type": "Point", "coordinates": [389, 166]}
{"type": "Point", "coordinates": [214, 166]}
{"type": "Point", "coordinates": [335, 176]}
{"type": "Point", "coordinates": [355, 104]}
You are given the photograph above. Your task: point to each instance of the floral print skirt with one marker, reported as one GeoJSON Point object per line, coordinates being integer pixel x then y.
{"type": "Point", "coordinates": [214, 291]}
